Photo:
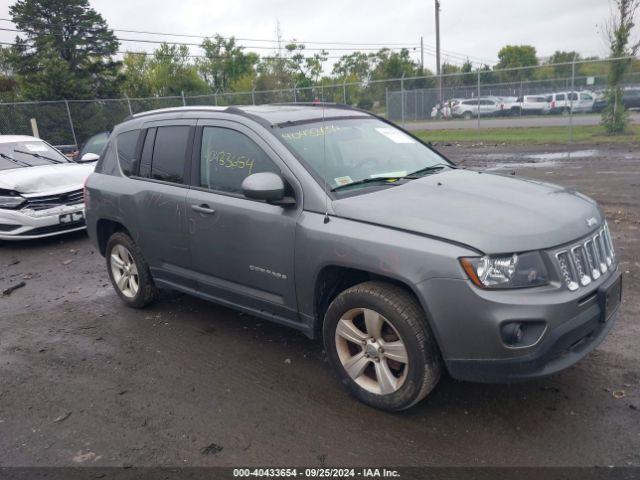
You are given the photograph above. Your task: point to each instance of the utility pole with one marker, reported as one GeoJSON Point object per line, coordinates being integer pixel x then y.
{"type": "Point", "coordinates": [421, 55]}
{"type": "Point", "coordinates": [438, 72]}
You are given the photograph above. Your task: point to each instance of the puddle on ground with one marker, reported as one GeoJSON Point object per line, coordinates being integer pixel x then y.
{"type": "Point", "coordinates": [534, 160]}
{"type": "Point", "coordinates": [563, 155]}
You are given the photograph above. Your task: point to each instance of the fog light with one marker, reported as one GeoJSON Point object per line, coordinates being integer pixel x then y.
{"type": "Point", "coordinates": [512, 333]}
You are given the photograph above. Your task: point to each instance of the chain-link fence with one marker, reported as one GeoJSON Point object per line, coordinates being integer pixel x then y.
{"type": "Point", "coordinates": [570, 88]}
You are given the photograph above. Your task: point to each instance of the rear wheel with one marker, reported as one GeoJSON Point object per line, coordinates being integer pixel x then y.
{"type": "Point", "coordinates": [377, 338]}
{"type": "Point", "coordinates": [129, 272]}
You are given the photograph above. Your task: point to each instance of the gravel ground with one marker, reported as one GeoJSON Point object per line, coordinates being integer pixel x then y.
{"type": "Point", "coordinates": [85, 380]}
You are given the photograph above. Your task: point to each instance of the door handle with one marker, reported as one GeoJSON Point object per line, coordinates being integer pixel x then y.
{"type": "Point", "coordinates": [204, 208]}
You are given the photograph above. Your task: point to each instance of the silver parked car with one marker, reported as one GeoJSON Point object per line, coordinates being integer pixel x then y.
{"type": "Point", "coordinates": [40, 189]}
{"type": "Point", "coordinates": [485, 106]}
{"type": "Point", "coordinates": [337, 223]}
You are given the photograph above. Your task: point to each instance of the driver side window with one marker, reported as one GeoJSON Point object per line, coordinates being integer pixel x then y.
{"type": "Point", "coordinates": [227, 157]}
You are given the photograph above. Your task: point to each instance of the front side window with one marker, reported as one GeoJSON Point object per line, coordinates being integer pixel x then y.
{"type": "Point", "coordinates": [126, 144]}
{"type": "Point", "coordinates": [560, 97]}
{"type": "Point", "coordinates": [227, 157]}
{"type": "Point", "coordinates": [585, 96]}
{"type": "Point", "coordinates": [346, 152]}
{"type": "Point", "coordinates": [169, 154]}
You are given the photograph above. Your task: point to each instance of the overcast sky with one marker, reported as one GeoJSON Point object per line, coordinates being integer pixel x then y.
{"type": "Point", "coordinates": [474, 28]}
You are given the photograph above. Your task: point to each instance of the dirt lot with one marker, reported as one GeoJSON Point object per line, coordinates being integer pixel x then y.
{"type": "Point", "coordinates": [86, 381]}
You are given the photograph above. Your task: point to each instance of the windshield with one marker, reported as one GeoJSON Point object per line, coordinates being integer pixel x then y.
{"type": "Point", "coordinates": [357, 150]}
{"type": "Point", "coordinates": [27, 154]}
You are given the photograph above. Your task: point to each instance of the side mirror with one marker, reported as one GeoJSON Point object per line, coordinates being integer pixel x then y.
{"type": "Point", "coordinates": [89, 157]}
{"type": "Point", "coordinates": [266, 186]}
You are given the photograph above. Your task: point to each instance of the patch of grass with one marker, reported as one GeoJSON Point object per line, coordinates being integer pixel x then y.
{"type": "Point", "coordinates": [530, 135]}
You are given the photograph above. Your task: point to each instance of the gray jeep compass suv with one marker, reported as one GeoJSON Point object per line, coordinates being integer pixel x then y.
{"type": "Point", "coordinates": [333, 221]}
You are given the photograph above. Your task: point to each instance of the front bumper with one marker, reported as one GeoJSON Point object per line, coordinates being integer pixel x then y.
{"type": "Point", "coordinates": [28, 224]}
{"type": "Point", "coordinates": [468, 329]}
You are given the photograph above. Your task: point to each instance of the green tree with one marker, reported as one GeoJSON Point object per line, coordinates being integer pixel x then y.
{"type": "Point", "coordinates": [137, 81]}
{"type": "Point", "coordinates": [515, 56]}
{"type": "Point", "coordinates": [355, 66]}
{"type": "Point", "coordinates": [614, 117]}
{"type": "Point", "coordinates": [65, 50]}
{"type": "Point", "coordinates": [225, 63]}
{"type": "Point", "coordinates": [306, 70]}
{"type": "Point", "coordinates": [565, 58]}
{"type": "Point", "coordinates": [8, 83]}
{"type": "Point", "coordinates": [171, 72]}
{"type": "Point", "coordinates": [390, 64]}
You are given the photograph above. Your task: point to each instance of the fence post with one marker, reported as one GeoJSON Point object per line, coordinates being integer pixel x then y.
{"type": "Point", "coordinates": [184, 102]}
{"type": "Point", "coordinates": [573, 78]}
{"type": "Point", "coordinates": [129, 104]}
{"type": "Point", "coordinates": [295, 97]}
{"type": "Point", "coordinates": [344, 91]}
{"type": "Point", "coordinates": [253, 95]}
{"type": "Point", "coordinates": [478, 98]}
{"type": "Point", "coordinates": [402, 97]}
{"type": "Point", "coordinates": [73, 132]}
{"type": "Point", "coordinates": [215, 98]}
{"type": "Point", "coordinates": [386, 96]}
{"type": "Point", "coordinates": [521, 98]}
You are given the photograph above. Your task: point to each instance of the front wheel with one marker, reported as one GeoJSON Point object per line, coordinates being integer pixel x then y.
{"type": "Point", "coordinates": [377, 338]}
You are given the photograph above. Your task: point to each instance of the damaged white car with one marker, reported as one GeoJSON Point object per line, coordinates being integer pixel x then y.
{"type": "Point", "coordinates": [41, 191]}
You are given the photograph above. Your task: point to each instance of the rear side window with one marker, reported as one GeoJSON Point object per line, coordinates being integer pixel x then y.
{"type": "Point", "coordinates": [169, 154]}
{"type": "Point", "coordinates": [560, 96]}
{"type": "Point", "coordinates": [227, 157]}
{"type": "Point", "coordinates": [127, 143]}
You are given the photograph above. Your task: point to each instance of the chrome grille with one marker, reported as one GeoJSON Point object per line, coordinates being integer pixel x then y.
{"type": "Point", "coordinates": [588, 260]}
{"type": "Point", "coordinates": [50, 201]}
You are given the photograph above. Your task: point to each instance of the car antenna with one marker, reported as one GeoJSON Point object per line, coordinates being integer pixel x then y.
{"type": "Point", "coordinates": [324, 163]}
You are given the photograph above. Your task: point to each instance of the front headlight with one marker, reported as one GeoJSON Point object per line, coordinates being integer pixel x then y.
{"type": "Point", "coordinates": [10, 199]}
{"type": "Point", "coordinates": [506, 271]}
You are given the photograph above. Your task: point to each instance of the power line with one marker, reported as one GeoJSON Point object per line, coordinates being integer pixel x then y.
{"type": "Point", "coordinates": [199, 45]}
{"type": "Point", "coordinates": [162, 55]}
{"type": "Point", "coordinates": [142, 32]}
{"type": "Point", "coordinates": [408, 46]}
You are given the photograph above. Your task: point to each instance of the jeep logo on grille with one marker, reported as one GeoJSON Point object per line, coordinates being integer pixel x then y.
{"type": "Point", "coordinates": [591, 221]}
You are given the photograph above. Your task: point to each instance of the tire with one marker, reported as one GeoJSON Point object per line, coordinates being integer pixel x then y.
{"type": "Point", "coordinates": [467, 115]}
{"type": "Point", "coordinates": [407, 359]}
{"type": "Point", "coordinates": [136, 289]}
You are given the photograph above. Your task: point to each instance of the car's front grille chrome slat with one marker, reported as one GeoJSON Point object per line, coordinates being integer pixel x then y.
{"type": "Point", "coordinates": [585, 262]}
{"type": "Point", "coordinates": [51, 201]}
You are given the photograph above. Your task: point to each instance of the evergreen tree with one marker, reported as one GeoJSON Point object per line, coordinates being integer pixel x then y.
{"type": "Point", "coordinates": [65, 50]}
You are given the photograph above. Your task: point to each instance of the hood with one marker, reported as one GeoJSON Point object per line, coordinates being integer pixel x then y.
{"type": "Point", "coordinates": [490, 212]}
{"type": "Point", "coordinates": [45, 179]}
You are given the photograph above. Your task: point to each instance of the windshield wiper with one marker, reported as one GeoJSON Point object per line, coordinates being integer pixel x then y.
{"type": "Point", "coordinates": [37, 155]}
{"type": "Point", "coordinates": [388, 180]}
{"type": "Point", "coordinates": [426, 170]}
{"type": "Point", "coordinates": [17, 162]}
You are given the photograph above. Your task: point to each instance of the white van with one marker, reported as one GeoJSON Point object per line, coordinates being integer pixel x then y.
{"type": "Point", "coordinates": [561, 102]}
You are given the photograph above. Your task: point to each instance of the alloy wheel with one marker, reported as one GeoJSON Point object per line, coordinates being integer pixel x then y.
{"type": "Point", "coordinates": [124, 271]}
{"type": "Point", "coordinates": [371, 351]}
